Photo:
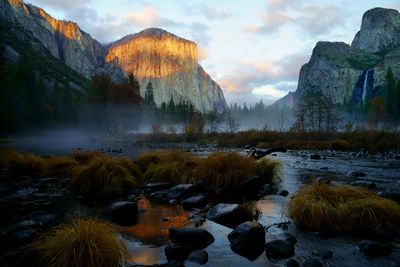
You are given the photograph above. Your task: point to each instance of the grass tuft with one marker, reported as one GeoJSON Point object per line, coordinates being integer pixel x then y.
{"type": "Point", "coordinates": [103, 176]}
{"type": "Point", "coordinates": [225, 169]}
{"type": "Point", "coordinates": [59, 166]}
{"type": "Point", "coordinates": [343, 209]}
{"type": "Point", "coordinates": [269, 170]}
{"type": "Point", "coordinates": [86, 242]}
{"type": "Point", "coordinates": [18, 164]}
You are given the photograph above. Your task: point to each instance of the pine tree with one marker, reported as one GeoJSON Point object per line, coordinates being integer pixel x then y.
{"type": "Point", "coordinates": [390, 93]}
{"type": "Point", "coordinates": [149, 95]}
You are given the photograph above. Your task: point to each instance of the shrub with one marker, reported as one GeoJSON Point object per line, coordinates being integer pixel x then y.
{"type": "Point", "coordinates": [340, 145]}
{"type": "Point", "coordinates": [166, 172]}
{"type": "Point", "coordinates": [59, 166]}
{"type": "Point", "coordinates": [19, 164]}
{"type": "Point", "coordinates": [102, 176]}
{"type": "Point", "coordinates": [225, 169]}
{"type": "Point", "coordinates": [86, 242]}
{"type": "Point", "coordinates": [343, 209]}
{"type": "Point", "coordinates": [268, 169]}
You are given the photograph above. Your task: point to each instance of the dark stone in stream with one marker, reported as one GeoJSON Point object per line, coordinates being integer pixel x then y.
{"type": "Point", "coordinates": [288, 237]}
{"type": "Point", "coordinates": [193, 238]}
{"type": "Point", "coordinates": [199, 201]}
{"type": "Point", "coordinates": [356, 174]}
{"type": "Point", "coordinates": [122, 213]}
{"type": "Point", "coordinates": [292, 263]}
{"type": "Point", "coordinates": [152, 187]}
{"type": "Point", "coordinates": [375, 249]}
{"type": "Point", "coordinates": [250, 186]}
{"type": "Point", "coordinates": [180, 191]}
{"type": "Point", "coordinates": [174, 251]}
{"type": "Point", "coordinates": [225, 214]}
{"type": "Point", "coordinates": [312, 262]}
{"type": "Point", "coordinates": [391, 194]}
{"type": "Point", "coordinates": [198, 256]}
{"type": "Point", "coordinates": [283, 193]}
{"type": "Point", "coordinates": [279, 249]}
{"type": "Point", "coordinates": [315, 156]}
{"type": "Point", "coordinates": [22, 237]}
{"type": "Point", "coordinates": [366, 184]}
{"type": "Point", "coordinates": [248, 239]}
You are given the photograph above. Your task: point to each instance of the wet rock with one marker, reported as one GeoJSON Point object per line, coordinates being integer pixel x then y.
{"type": "Point", "coordinates": [194, 238]}
{"type": "Point", "coordinates": [391, 194]}
{"type": "Point", "coordinates": [199, 201]}
{"type": "Point", "coordinates": [175, 251]}
{"type": "Point", "coordinates": [180, 191]}
{"type": "Point", "coordinates": [288, 237]}
{"type": "Point", "coordinates": [152, 187]}
{"type": "Point", "coordinates": [366, 184]}
{"type": "Point", "coordinates": [292, 263]}
{"type": "Point", "coordinates": [279, 249]}
{"type": "Point", "coordinates": [324, 168]}
{"type": "Point", "coordinates": [22, 237]}
{"type": "Point", "coordinates": [312, 262]}
{"type": "Point", "coordinates": [224, 213]}
{"type": "Point", "coordinates": [248, 239]}
{"type": "Point", "coordinates": [356, 174]}
{"type": "Point", "coordinates": [315, 156]}
{"type": "Point", "coordinates": [250, 186]}
{"type": "Point", "coordinates": [375, 249]}
{"type": "Point", "coordinates": [122, 213]}
{"type": "Point", "coordinates": [283, 193]}
{"type": "Point", "coordinates": [324, 253]}
{"type": "Point", "coordinates": [198, 256]}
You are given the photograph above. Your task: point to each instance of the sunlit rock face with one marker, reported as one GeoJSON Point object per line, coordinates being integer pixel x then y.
{"type": "Point", "coordinates": [356, 73]}
{"type": "Point", "coordinates": [64, 39]}
{"type": "Point", "coordinates": [171, 64]}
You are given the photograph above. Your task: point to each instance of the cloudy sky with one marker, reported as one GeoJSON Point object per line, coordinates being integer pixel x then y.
{"type": "Point", "coordinates": [252, 48]}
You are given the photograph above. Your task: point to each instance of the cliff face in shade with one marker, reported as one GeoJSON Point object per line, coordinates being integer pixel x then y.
{"type": "Point", "coordinates": [170, 63]}
{"type": "Point", "coordinates": [353, 74]}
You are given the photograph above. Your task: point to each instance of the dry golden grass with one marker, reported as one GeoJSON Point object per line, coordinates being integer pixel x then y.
{"type": "Point", "coordinates": [343, 209]}
{"type": "Point", "coordinates": [59, 166]}
{"type": "Point", "coordinates": [85, 243]}
{"type": "Point", "coordinates": [19, 164]}
{"type": "Point", "coordinates": [224, 169]}
{"type": "Point", "coordinates": [268, 169]}
{"type": "Point", "coordinates": [83, 157]}
{"type": "Point", "coordinates": [102, 176]}
{"type": "Point", "coordinates": [162, 156]}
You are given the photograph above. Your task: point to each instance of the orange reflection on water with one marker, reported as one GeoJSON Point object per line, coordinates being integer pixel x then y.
{"type": "Point", "coordinates": [154, 222]}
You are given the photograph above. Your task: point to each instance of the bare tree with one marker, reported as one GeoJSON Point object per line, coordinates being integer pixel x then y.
{"type": "Point", "coordinates": [214, 120]}
{"type": "Point", "coordinates": [231, 121]}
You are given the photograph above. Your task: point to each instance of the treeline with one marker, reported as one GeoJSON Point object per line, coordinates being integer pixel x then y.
{"type": "Point", "coordinates": [27, 102]}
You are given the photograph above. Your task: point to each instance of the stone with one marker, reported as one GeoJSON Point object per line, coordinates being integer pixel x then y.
{"type": "Point", "coordinates": [122, 213]}
{"type": "Point", "coordinates": [292, 263]}
{"type": "Point", "coordinates": [198, 256]}
{"type": "Point", "coordinates": [279, 249]}
{"type": "Point", "coordinates": [152, 187]}
{"type": "Point", "coordinates": [391, 194]}
{"type": "Point", "coordinates": [283, 193]}
{"type": "Point", "coordinates": [180, 191]}
{"type": "Point", "coordinates": [22, 237]}
{"type": "Point", "coordinates": [174, 251]}
{"type": "Point", "coordinates": [288, 237]}
{"type": "Point", "coordinates": [199, 201]}
{"type": "Point", "coordinates": [224, 213]}
{"type": "Point", "coordinates": [366, 184]}
{"type": "Point", "coordinates": [374, 249]}
{"type": "Point", "coordinates": [315, 156]}
{"type": "Point", "coordinates": [248, 239]}
{"type": "Point", "coordinates": [191, 237]}
{"type": "Point", "coordinates": [312, 262]}
{"type": "Point", "coordinates": [356, 174]}
{"type": "Point", "coordinates": [250, 186]}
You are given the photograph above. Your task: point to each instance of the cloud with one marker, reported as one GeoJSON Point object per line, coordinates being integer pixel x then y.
{"type": "Point", "coordinates": [314, 20]}
{"type": "Point", "coordinates": [148, 17]}
{"type": "Point", "coordinates": [211, 13]}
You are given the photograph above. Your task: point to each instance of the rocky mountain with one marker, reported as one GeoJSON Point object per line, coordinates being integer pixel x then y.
{"type": "Point", "coordinates": [166, 60]}
{"type": "Point", "coordinates": [356, 73]}
{"type": "Point", "coordinates": [170, 63]}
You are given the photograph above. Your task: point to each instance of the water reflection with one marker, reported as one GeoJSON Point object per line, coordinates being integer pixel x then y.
{"type": "Point", "coordinates": [153, 223]}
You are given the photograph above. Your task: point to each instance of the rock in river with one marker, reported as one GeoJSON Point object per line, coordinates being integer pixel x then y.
{"type": "Point", "coordinates": [191, 237]}
{"type": "Point", "coordinates": [279, 249]}
{"type": "Point", "coordinates": [122, 213]}
{"type": "Point", "coordinates": [375, 249]}
{"type": "Point", "coordinates": [180, 191]}
{"type": "Point", "coordinates": [198, 256]}
{"type": "Point", "coordinates": [225, 213]}
{"type": "Point", "coordinates": [248, 239]}
{"type": "Point", "coordinates": [199, 201]}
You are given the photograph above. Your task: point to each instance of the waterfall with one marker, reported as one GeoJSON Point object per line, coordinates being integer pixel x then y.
{"type": "Point", "coordinates": [365, 86]}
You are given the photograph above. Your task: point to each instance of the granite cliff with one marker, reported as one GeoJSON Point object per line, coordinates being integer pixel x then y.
{"type": "Point", "coordinates": [356, 73]}
{"type": "Point", "coordinates": [155, 55]}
